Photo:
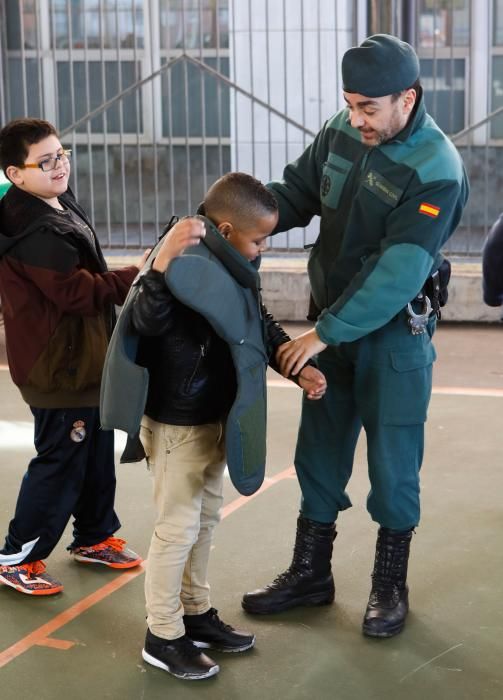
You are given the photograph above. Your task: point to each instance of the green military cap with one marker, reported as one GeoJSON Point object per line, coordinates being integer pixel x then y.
{"type": "Point", "coordinates": [381, 65]}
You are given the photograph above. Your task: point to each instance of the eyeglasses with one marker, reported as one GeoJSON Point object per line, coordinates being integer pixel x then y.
{"type": "Point", "coordinates": [50, 163]}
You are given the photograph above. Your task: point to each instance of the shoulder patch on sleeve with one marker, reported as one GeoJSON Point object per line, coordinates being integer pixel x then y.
{"type": "Point", "coordinates": [429, 209]}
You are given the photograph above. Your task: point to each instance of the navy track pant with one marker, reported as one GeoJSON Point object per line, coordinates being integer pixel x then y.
{"type": "Point", "coordinates": [72, 474]}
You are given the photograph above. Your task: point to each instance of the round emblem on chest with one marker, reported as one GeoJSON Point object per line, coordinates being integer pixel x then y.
{"type": "Point", "coordinates": [325, 185]}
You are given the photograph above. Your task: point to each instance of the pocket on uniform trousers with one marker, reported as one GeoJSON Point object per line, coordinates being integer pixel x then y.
{"type": "Point", "coordinates": [407, 389]}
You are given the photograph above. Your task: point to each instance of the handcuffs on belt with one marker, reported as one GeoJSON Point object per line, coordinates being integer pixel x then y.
{"type": "Point", "coordinates": [418, 322]}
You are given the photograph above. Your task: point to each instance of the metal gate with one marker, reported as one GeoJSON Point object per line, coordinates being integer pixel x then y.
{"type": "Point", "coordinates": [158, 98]}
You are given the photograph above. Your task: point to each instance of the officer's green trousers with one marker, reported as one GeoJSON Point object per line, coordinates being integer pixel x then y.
{"type": "Point", "coordinates": [383, 383]}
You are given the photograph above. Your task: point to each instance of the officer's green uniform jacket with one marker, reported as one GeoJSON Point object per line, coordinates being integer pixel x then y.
{"type": "Point", "coordinates": [216, 281]}
{"type": "Point", "coordinates": [386, 212]}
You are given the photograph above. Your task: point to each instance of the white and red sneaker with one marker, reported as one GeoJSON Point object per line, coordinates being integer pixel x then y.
{"type": "Point", "coordinates": [30, 578]}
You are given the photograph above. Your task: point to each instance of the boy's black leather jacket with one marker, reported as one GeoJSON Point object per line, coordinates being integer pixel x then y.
{"type": "Point", "coordinates": [215, 281]}
{"type": "Point", "coordinates": [192, 376]}
{"type": "Point", "coordinates": [58, 300]}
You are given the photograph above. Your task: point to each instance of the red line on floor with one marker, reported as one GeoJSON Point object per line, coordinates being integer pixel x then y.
{"type": "Point", "coordinates": [40, 636]}
{"type": "Point", "coordinates": [55, 643]}
{"type": "Point", "coordinates": [268, 482]}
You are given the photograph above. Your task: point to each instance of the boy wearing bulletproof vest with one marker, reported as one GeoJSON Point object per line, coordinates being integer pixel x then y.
{"type": "Point", "coordinates": [205, 339]}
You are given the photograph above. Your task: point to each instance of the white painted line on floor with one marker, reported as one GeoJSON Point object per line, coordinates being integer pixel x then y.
{"type": "Point", "coordinates": [15, 434]}
{"type": "Point", "coordinates": [439, 390]}
{"type": "Point", "coordinates": [467, 391]}
{"type": "Point", "coordinates": [18, 435]}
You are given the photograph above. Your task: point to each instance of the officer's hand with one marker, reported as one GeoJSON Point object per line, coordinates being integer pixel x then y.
{"type": "Point", "coordinates": [292, 356]}
{"type": "Point", "coordinates": [185, 233]}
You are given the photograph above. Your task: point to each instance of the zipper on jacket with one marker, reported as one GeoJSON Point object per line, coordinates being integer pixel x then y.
{"type": "Point", "coordinates": [198, 363]}
{"type": "Point", "coordinates": [365, 158]}
{"type": "Point", "coordinates": [259, 302]}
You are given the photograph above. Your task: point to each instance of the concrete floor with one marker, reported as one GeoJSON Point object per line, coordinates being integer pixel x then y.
{"type": "Point", "coordinates": [86, 642]}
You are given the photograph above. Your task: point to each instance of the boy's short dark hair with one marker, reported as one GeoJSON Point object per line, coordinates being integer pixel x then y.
{"type": "Point", "coordinates": [17, 136]}
{"type": "Point", "coordinates": [238, 195]}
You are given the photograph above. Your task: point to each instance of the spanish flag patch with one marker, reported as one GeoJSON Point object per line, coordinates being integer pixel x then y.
{"type": "Point", "coordinates": [429, 209]}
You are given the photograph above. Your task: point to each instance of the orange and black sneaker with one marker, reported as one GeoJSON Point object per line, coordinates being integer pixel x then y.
{"type": "Point", "coordinates": [111, 552]}
{"type": "Point", "coordinates": [30, 578]}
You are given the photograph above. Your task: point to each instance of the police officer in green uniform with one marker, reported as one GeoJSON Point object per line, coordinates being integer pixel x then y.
{"type": "Point", "coordinates": [390, 189]}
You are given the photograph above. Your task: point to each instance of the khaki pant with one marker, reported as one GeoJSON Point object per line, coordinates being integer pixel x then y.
{"type": "Point", "coordinates": [187, 464]}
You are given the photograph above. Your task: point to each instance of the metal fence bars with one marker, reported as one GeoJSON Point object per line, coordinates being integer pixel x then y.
{"type": "Point", "coordinates": [159, 98]}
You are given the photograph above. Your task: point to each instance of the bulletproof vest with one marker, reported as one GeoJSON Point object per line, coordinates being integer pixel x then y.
{"type": "Point", "coordinates": [216, 281]}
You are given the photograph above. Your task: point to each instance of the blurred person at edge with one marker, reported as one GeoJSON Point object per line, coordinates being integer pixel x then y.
{"type": "Point", "coordinates": [492, 265]}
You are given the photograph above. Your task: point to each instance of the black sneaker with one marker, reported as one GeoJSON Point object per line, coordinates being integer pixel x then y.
{"type": "Point", "coordinates": [207, 631]}
{"type": "Point", "coordinates": [180, 657]}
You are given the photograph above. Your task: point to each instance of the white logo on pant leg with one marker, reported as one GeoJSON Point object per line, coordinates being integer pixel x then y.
{"type": "Point", "coordinates": [78, 432]}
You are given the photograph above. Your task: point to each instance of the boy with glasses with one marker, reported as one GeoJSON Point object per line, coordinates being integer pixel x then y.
{"type": "Point", "coordinates": [58, 303]}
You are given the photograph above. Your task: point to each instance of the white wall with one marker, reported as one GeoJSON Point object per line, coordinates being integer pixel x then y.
{"type": "Point", "coordinates": [286, 53]}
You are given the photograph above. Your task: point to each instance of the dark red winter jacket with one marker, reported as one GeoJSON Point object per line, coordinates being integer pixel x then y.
{"type": "Point", "coordinates": [57, 299]}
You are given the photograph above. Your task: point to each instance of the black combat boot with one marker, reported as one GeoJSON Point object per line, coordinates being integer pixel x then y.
{"type": "Point", "coordinates": [308, 580]}
{"type": "Point", "coordinates": [389, 598]}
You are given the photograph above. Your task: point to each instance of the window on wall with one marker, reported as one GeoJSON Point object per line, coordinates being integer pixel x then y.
{"type": "Point", "coordinates": [497, 96]}
{"type": "Point", "coordinates": [93, 48]}
{"type": "Point", "coordinates": [443, 44]}
{"type": "Point", "coordinates": [498, 23]}
{"type": "Point", "coordinates": [96, 24]}
{"type": "Point", "coordinates": [100, 81]}
{"type": "Point", "coordinates": [188, 87]}
{"type": "Point", "coordinates": [194, 24]}
{"type": "Point", "coordinates": [97, 48]}
{"type": "Point", "coordinates": [24, 102]}
{"type": "Point", "coordinates": [443, 82]}
{"type": "Point", "coordinates": [444, 23]}
{"type": "Point", "coordinates": [107, 24]}
{"type": "Point", "coordinates": [198, 104]}
{"type": "Point", "coordinates": [497, 69]}
{"type": "Point", "coordinates": [21, 24]}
